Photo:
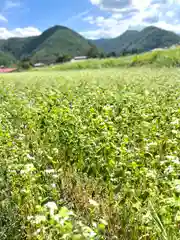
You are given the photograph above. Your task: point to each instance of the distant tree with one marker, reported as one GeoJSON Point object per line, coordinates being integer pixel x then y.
{"type": "Point", "coordinates": [63, 58]}
{"type": "Point", "coordinates": [134, 51]}
{"type": "Point", "coordinates": [60, 59]}
{"type": "Point", "coordinates": [67, 58]}
{"type": "Point", "coordinates": [93, 52]}
{"type": "Point", "coordinates": [111, 54]}
{"type": "Point", "coordinates": [6, 59]}
{"type": "Point", "coordinates": [25, 59]}
{"type": "Point", "coordinates": [102, 55]}
{"type": "Point", "coordinates": [124, 52]}
{"type": "Point", "coordinates": [25, 65]}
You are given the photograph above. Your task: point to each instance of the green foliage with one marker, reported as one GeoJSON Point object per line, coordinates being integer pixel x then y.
{"type": "Point", "coordinates": [132, 42]}
{"type": "Point", "coordinates": [102, 55]}
{"type": "Point", "coordinates": [63, 58]}
{"type": "Point", "coordinates": [111, 54]}
{"type": "Point", "coordinates": [93, 52]}
{"type": "Point", "coordinates": [15, 46]}
{"type": "Point", "coordinates": [166, 58]}
{"type": "Point", "coordinates": [93, 64]}
{"type": "Point", "coordinates": [25, 63]}
{"type": "Point", "coordinates": [45, 48]}
{"type": "Point", "coordinates": [61, 41]}
{"type": "Point", "coordinates": [6, 59]}
{"type": "Point", "coordinates": [90, 155]}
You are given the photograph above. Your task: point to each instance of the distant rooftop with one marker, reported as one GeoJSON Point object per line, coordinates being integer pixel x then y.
{"type": "Point", "coordinates": [38, 64]}
{"type": "Point", "coordinates": [80, 57]}
{"type": "Point", "coordinates": [7, 70]}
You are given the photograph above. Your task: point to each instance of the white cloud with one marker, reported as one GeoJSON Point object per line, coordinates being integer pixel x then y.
{"type": "Point", "coordinates": [11, 4]}
{"type": "Point", "coordinates": [111, 4]}
{"type": "Point", "coordinates": [131, 13]}
{"type": "Point", "coordinates": [8, 5]}
{"type": "Point", "coordinates": [102, 33]}
{"type": "Point", "coordinates": [77, 16]}
{"type": "Point", "coordinates": [3, 19]}
{"type": "Point", "coordinates": [169, 27]}
{"type": "Point", "coordinates": [89, 19]}
{"type": "Point", "coordinates": [19, 32]}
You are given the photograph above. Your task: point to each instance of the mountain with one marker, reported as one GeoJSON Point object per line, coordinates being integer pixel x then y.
{"type": "Point", "coordinates": [48, 46]}
{"type": "Point", "coordinates": [59, 40]}
{"type": "Point", "coordinates": [153, 37]}
{"type": "Point", "coordinates": [7, 59]}
{"type": "Point", "coordinates": [15, 46]}
{"type": "Point", "coordinates": [134, 41]}
{"type": "Point", "coordinates": [118, 43]}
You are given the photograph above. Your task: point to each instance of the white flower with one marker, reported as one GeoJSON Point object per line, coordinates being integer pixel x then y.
{"type": "Point", "coordinates": [55, 176]}
{"type": "Point", "coordinates": [53, 185]}
{"type": "Point", "coordinates": [27, 168]}
{"type": "Point", "coordinates": [152, 144]}
{"type": "Point", "coordinates": [37, 232]}
{"type": "Point", "coordinates": [21, 137]}
{"type": "Point", "coordinates": [176, 161]}
{"type": "Point", "coordinates": [88, 232]}
{"type": "Point", "coordinates": [49, 171]}
{"type": "Point", "coordinates": [177, 188]}
{"type": "Point", "coordinates": [12, 171]}
{"type": "Point", "coordinates": [103, 222]}
{"type": "Point", "coordinates": [29, 218]}
{"type": "Point", "coordinates": [169, 170]}
{"type": "Point", "coordinates": [39, 219]}
{"type": "Point", "coordinates": [151, 174]}
{"type": "Point", "coordinates": [93, 203]}
{"type": "Point", "coordinates": [92, 234]}
{"type": "Point", "coordinates": [52, 207]}
{"type": "Point", "coordinates": [175, 121]}
{"type": "Point", "coordinates": [55, 150]}
{"type": "Point", "coordinates": [30, 157]}
{"type": "Point", "coordinates": [170, 157]}
{"type": "Point", "coordinates": [177, 218]}
{"type": "Point", "coordinates": [56, 218]}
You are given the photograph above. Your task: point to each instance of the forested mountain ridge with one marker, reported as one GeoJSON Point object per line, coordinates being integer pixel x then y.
{"type": "Point", "coordinates": [53, 42]}
{"type": "Point", "coordinates": [135, 42]}
{"type": "Point", "coordinates": [60, 40]}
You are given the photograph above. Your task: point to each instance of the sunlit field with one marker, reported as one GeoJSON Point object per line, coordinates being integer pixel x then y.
{"type": "Point", "coordinates": [165, 58]}
{"type": "Point", "coordinates": [90, 154]}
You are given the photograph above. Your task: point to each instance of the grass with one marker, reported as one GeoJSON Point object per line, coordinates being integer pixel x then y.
{"type": "Point", "coordinates": [89, 64]}
{"type": "Point", "coordinates": [90, 154]}
{"type": "Point", "coordinates": [166, 58]}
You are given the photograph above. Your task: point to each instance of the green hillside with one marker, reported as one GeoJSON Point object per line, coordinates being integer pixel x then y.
{"type": "Point", "coordinates": [6, 59]}
{"type": "Point", "coordinates": [15, 46]}
{"type": "Point", "coordinates": [62, 41]}
{"type": "Point", "coordinates": [46, 47]}
{"type": "Point", "coordinates": [153, 37]}
{"type": "Point", "coordinates": [136, 42]}
{"type": "Point", "coordinates": [116, 44]}
{"type": "Point", "coordinates": [158, 58]}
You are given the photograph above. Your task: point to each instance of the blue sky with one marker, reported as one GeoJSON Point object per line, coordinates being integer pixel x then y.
{"type": "Point", "coordinates": [91, 18]}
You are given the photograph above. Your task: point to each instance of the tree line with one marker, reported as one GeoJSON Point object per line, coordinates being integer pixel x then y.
{"type": "Point", "coordinates": [93, 52]}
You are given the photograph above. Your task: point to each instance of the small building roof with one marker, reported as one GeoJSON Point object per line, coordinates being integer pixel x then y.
{"type": "Point", "coordinates": [7, 70]}
{"type": "Point", "coordinates": [80, 57]}
{"type": "Point", "coordinates": [38, 64]}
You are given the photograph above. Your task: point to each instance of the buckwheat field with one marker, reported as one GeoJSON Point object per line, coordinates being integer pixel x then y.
{"type": "Point", "coordinates": [91, 154]}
